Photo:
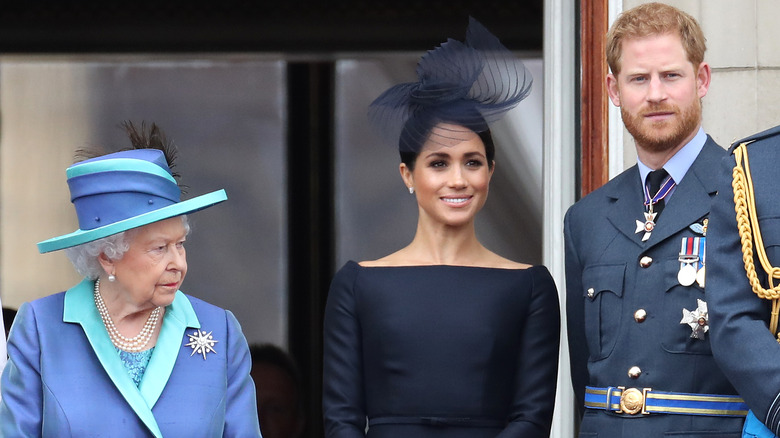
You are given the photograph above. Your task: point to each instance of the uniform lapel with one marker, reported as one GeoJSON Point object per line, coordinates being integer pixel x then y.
{"type": "Point", "coordinates": [178, 317]}
{"type": "Point", "coordinates": [80, 308]}
{"type": "Point", "coordinates": [628, 206]}
{"type": "Point", "coordinates": [691, 199]}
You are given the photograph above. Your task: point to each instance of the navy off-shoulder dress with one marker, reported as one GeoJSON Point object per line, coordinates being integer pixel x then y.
{"type": "Point", "coordinates": [440, 351]}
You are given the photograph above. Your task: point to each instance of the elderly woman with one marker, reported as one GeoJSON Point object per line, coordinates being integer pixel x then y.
{"type": "Point", "coordinates": [125, 352]}
{"type": "Point", "coordinates": [444, 338]}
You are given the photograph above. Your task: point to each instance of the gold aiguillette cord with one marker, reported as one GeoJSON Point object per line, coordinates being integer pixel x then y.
{"type": "Point", "coordinates": [749, 231]}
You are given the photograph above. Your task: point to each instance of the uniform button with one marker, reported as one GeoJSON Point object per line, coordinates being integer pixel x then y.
{"type": "Point", "coordinates": [634, 372]}
{"type": "Point", "coordinates": [591, 292]}
{"type": "Point", "coordinates": [645, 261]}
{"type": "Point", "coordinates": [640, 315]}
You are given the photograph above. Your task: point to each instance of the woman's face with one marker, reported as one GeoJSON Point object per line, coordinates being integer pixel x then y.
{"type": "Point", "coordinates": [153, 268]}
{"type": "Point", "coordinates": [451, 182]}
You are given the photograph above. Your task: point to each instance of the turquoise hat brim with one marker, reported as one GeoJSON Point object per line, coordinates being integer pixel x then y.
{"type": "Point", "coordinates": [83, 236]}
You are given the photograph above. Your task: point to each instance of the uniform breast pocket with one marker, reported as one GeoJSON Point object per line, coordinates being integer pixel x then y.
{"type": "Point", "coordinates": [603, 295]}
{"type": "Point", "coordinates": [678, 301]}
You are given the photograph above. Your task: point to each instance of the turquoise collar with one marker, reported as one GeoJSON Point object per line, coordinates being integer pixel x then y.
{"type": "Point", "coordinates": [179, 315]}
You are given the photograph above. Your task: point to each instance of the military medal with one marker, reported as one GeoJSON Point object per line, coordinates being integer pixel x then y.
{"type": "Point", "coordinates": [697, 319]}
{"type": "Point", "coordinates": [700, 277]}
{"type": "Point", "coordinates": [687, 274]}
{"type": "Point", "coordinates": [646, 226]}
{"type": "Point", "coordinates": [700, 228]}
{"type": "Point", "coordinates": [649, 223]}
{"type": "Point", "coordinates": [691, 251]}
{"type": "Point", "coordinates": [700, 274]}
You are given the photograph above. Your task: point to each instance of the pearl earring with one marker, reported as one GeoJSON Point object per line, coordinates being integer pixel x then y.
{"type": "Point", "coordinates": [411, 190]}
{"type": "Point", "coordinates": [111, 278]}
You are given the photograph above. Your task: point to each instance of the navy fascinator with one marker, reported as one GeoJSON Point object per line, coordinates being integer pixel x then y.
{"type": "Point", "coordinates": [462, 84]}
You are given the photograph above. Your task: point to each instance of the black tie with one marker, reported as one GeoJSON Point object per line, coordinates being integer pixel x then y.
{"type": "Point", "coordinates": [654, 181]}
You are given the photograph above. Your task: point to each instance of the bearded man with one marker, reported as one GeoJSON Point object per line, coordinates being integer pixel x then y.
{"type": "Point", "coordinates": [636, 248]}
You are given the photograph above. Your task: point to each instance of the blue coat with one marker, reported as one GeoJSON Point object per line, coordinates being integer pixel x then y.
{"type": "Point", "coordinates": [743, 346]}
{"type": "Point", "coordinates": [606, 285]}
{"type": "Point", "coordinates": [65, 379]}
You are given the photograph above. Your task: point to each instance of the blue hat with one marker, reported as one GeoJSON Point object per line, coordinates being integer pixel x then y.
{"type": "Point", "coordinates": [124, 190]}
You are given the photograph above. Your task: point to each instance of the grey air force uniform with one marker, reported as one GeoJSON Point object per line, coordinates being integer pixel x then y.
{"type": "Point", "coordinates": [746, 350]}
{"type": "Point", "coordinates": [636, 310]}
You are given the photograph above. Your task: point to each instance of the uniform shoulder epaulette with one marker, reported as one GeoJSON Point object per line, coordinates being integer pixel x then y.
{"type": "Point", "coordinates": [771, 132]}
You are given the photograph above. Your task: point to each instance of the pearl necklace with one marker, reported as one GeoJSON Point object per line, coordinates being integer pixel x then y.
{"type": "Point", "coordinates": [134, 344]}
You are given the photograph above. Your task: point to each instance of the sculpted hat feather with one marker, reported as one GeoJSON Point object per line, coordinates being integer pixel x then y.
{"type": "Point", "coordinates": [124, 190]}
{"type": "Point", "coordinates": [470, 84]}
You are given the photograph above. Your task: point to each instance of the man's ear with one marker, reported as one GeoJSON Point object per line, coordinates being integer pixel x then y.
{"type": "Point", "coordinates": [613, 90]}
{"type": "Point", "coordinates": [703, 79]}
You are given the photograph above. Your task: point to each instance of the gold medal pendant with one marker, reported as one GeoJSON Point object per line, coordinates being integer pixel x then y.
{"type": "Point", "coordinates": [700, 277]}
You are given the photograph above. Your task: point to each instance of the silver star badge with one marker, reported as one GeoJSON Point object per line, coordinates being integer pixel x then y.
{"type": "Point", "coordinates": [646, 226]}
{"type": "Point", "coordinates": [697, 319]}
{"type": "Point", "coordinates": [201, 343]}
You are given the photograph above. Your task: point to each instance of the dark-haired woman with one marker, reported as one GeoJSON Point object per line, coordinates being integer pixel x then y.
{"type": "Point", "coordinates": [444, 338]}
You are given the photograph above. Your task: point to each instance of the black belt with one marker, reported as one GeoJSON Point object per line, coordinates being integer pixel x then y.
{"type": "Point", "coordinates": [438, 421]}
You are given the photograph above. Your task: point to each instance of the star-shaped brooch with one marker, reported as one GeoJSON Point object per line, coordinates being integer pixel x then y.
{"type": "Point", "coordinates": [201, 343]}
{"type": "Point", "coordinates": [697, 319]}
{"type": "Point", "coordinates": [646, 226]}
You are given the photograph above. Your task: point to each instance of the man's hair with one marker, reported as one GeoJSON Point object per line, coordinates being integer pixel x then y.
{"type": "Point", "coordinates": [651, 19]}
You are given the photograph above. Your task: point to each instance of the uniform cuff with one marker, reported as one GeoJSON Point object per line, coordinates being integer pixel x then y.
{"type": "Point", "coordinates": [773, 416]}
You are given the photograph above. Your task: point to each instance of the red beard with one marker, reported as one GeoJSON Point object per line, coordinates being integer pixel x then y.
{"type": "Point", "coordinates": [663, 135]}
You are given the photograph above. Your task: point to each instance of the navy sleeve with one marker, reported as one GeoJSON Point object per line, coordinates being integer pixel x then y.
{"type": "Point", "coordinates": [575, 317]}
{"type": "Point", "coordinates": [537, 369]}
{"type": "Point", "coordinates": [342, 392]}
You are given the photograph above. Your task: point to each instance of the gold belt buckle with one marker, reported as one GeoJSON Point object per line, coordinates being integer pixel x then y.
{"type": "Point", "coordinates": [633, 400]}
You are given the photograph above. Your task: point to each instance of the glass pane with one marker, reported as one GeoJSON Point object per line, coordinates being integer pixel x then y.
{"type": "Point", "coordinates": [226, 115]}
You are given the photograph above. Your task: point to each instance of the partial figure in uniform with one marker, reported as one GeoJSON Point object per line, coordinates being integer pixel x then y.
{"type": "Point", "coordinates": [743, 281]}
{"type": "Point", "coordinates": [636, 248]}
{"type": "Point", "coordinates": [444, 338]}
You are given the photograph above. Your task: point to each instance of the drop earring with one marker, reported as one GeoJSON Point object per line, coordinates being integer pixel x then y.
{"type": "Point", "coordinates": [111, 278]}
{"type": "Point", "coordinates": [411, 190]}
